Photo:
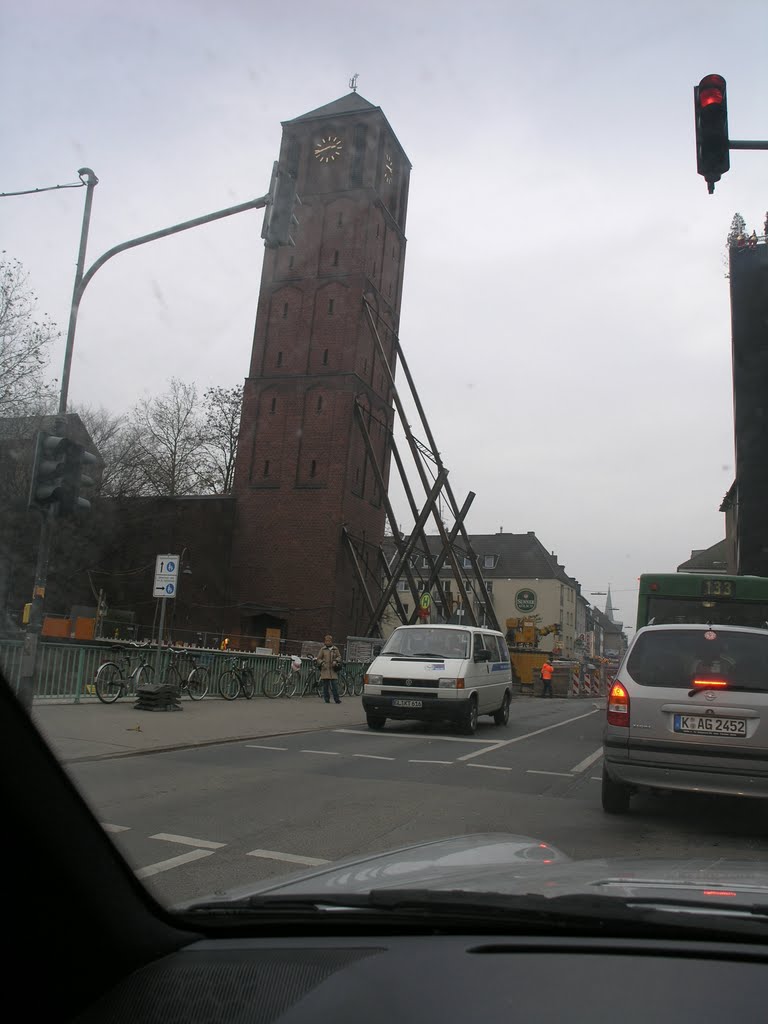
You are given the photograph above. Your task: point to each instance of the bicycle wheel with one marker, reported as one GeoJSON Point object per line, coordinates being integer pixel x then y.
{"type": "Point", "coordinates": [247, 684]}
{"type": "Point", "coordinates": [144, 677]}
{"type": "Point", "coordinates": [342, 685]}
{"type": "Point", "coordinates": [359, 686]}
{"type": "Point", "coordinates": [197, 683]}
{"type": "Point", "coordinates": [293, 684]}
{"type": "Point", "coordinates": [229, 684]}
{"type": "Point", "coordinates": [274, 683]}
{"type": "Point", "coordinates": [173, 678]}
{"type": "Point", "coordinates": [109, 682]}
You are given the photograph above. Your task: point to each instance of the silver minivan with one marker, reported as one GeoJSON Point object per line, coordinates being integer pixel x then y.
{"type": "Point", "coordinates": [439, 673]}
{"type": "Point", "coordinates": [688, 710]}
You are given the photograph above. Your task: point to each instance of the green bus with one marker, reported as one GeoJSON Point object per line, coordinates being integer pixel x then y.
{"type": "Point", "coordinates": [689, 597]}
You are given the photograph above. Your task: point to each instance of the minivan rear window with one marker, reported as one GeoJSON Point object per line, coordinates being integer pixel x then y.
{"type": "Point", "coordinates": [676, 657]}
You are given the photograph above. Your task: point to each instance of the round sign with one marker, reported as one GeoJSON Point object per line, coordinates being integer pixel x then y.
{"type": "Point", "coordinates": [170, 566]}
{"type": "Point", "coordinates": [525, 600]}
{"type": "Point", "coordinates": [169, 588]}
{"type": "Point", "coordinates": [425, 601]}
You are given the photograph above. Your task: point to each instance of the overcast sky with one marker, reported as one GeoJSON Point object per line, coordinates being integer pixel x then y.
{"type": "Point", "coordinates": [565, 309]}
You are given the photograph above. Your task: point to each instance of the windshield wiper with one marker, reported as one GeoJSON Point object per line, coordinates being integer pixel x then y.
{"type": "Point", "coordinates": [445, 908]}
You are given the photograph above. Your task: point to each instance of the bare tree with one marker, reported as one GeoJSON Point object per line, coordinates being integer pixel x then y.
{"type": "Point", "coordinates": [220, 428]}
{"type": "Point", "coordinates": [25, 339]}
{"type": "Point", "coordinates": [115, 440]}
{"type": "Point", "coordinates": [166, 439]}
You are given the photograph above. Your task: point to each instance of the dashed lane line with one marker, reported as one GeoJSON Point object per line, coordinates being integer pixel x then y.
{"type": "Point", "coordinates": [328, 753]}
{"type": "Point", "coordinates": [424, 737]}
{"type": "Point", "coordinates": [536, 771]}
{"type": "Point", "coordinates": [204, 844]}
{"type": "Point", "coordinates": [587, 762]}
{"type": "Point", "coordinates": [263, 746]}
{"type": "Point", "coordinates": [289, 858]}
{"type": "Point", "coordinates": [495, 767]}
{"type": "Point", "coordinates": [374, 757]}
{"type": "Point", "coordinates": [115, 828]}
{"type": "Point", "coordinates": [525, 736]}
{"type": "Point", "coordinates": [416, 760]}
{"type": "Point", "coordinates": [173, 862]}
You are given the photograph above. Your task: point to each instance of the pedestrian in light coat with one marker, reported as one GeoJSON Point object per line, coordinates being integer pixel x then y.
{"type": "Point", "coordinates": [328, 660]}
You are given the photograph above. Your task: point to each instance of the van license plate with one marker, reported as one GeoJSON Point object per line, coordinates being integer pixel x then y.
{"type": "Point", "coordinates": [399, 703]}
{"type": "Point", "coordinates": [710, 725]}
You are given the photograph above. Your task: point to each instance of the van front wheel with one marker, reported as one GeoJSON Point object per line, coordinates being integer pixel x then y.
{"type": "Point", "coordinates": [375, 721]}
{"type": "Point", "coordinates": [469, 722]}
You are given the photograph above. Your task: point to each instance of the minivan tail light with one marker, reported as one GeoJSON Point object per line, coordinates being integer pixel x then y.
{"type": "Point", "coordinates": [710, 683]}
{"type": "Point", "coordinates": [618, 705]}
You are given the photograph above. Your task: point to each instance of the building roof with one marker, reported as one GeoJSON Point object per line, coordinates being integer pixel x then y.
{"type": "Point", "coordinates": [16, 428]}
{"type": "Point", "coordinates": [516, 556]}
{"type": "Point", "coordinates": [352, 103]}
{"type": "Point", "coordinates": [713, 559]}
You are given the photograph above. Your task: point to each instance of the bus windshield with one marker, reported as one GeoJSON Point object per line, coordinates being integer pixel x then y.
{"type": "Point", "coordinates": [669, 598]}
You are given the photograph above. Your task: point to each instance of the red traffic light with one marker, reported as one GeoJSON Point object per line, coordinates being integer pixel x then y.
{"type": "Point", "coordinates": [711, 90]}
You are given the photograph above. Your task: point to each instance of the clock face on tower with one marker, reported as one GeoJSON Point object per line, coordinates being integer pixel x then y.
{"type": "Point", "coordinates": [328, 149]}
{"type": "Point", "coordinates": [389, 168]}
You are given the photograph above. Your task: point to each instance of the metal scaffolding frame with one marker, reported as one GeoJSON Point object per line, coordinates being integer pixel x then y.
{"type": "Point", "coordinates": [379, 587]}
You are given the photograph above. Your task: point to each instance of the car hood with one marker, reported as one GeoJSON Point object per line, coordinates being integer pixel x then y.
{"type": "Point", "coordinates": [515, 864]}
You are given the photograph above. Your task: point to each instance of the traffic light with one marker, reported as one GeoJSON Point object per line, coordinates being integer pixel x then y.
{"type": "Point", "coordinates": [711, 112]}
{"type": "Point", "coordinates": [279, 216]}
{"type": "Point", "coordinates": [58, 475]}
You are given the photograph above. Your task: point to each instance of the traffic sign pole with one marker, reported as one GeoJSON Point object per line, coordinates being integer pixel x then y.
{"type": "Point", "coordinates": [158, 654]}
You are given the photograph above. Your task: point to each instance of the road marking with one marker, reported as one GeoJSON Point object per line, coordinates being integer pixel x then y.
{"type": "Point", "coordinates": [330, 753]}
{"type": "Point", "coordinates": [290, 858]}
{"type": "Point", "coordinates": [173, 862]}
{"type": "Point", "coordinates": [263, 746]}
{"type": "Point", "coordinates": [587, 762]}
{"type": "Point", "coordinates": [595, 778]}
{"type": "Point", "coordinates": [410, 736]}
{"type": "Point", "coordinates": [414, 760]}
{"type": "Point", "coordinates": [204, 844]}
{"type": "Point", "coordinates": [496, 767]}
{"type": "Point", "coordinates": [535, 771]}
{"type": "Point", "coordinates": [115, 828]}
{"type": "Point", "coordinates": [526, 736]}
{"type": "Point", "coordinates": [374, 757]}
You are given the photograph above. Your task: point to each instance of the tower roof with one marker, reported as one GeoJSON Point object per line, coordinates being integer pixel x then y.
{"type": "Point", "coordinates": [352, 103]}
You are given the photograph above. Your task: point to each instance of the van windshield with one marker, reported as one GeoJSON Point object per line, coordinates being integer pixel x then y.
{"type": "Point", "coordinates": [676, 657]}
{"type": "Point", "coordinates": [426, 642]}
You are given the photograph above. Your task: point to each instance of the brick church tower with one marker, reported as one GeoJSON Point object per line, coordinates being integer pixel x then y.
{"type": "Point", "coordinates": [302, 472]}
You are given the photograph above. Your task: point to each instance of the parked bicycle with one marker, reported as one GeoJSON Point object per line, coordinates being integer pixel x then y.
{"type": "Point", "coordinates": [285, 681]}
{"type": "Point", "coordinates": [237, 680]}
{"type": "Point", "coordinates": [197, 679]}
{"type": "Point", "coordinates": [116, 678]}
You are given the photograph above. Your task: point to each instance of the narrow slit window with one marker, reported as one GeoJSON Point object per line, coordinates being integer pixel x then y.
{"type": "Point", "coordinates": [330, 306]}
{"type": "Point", "coordinates": [313, 468]}
{"type": "Point", "coordinates": [336, 257]}
{"type": "Point", "coordinates": [339, 220]}
{"type": "Point", "coordinates": [266, 467]}
{"type": "Point", "coordinates": [274, 404]}
{"type": "Point", "coordinates": [374, 269]}
{"type": "Point", "coordinates": [290, 262]}
{"type": "Point", "coordinates": [285, 310]}
{"type": "Point", "coordinates": [325, 357]}
{"type": "Point", "coordinates": [378, 229]}
{"type": "Point", "coordinates": [365, 366]}
{"type": "Point", "coordinates": [279, 358]}
{"type": "Point", "coordinates": [319, 403]}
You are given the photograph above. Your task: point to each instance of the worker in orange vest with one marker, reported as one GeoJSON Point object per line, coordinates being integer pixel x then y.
{"type": "Point", "coordinates": [547, 671]}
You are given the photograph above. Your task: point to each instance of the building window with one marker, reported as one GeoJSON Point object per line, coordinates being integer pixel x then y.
{"type": "Point", "coordinates": [330, 306]}
{"type": "Point", "coordinates": [424, 562]}
{"type": "Point", "coordinates": [285, 310]}
{"type": "Point", "coordinates": [319, 403]}
{"type": "Point", "coordinates": [290, 262]}
{"type": "Point", "coordinates": [266, 467]}
{"type": "Point", "coordinates": [402, 586]}
{"type": "Point", "coordinates": [336, 258]}
{"type": "Point", "coordinates": [390, 288]}
{"type": "Point", "coordinates": [378, 229]}
{"type": "Point", "coordinates": [279, 358]}
{"type": "Point", "coordinates": [374, 269]}
{"type": "Point", "coordinates": [489, 586]}
{"type": "Point", "coordinates": [365, 366]}
{"type": "Point", "coordinates": [274, 404]}
{"type": "Point", "coordinates": [339, 220]}
{"type": "Point", "coordinates": [313, 468]}
{"type": "Point", "coordinates": [467, 562]}
{"type": "Point", "coordinates": [325, 357]}
{"type": "Point", "coordinates": [357, 475]}
{"type": "Point", "coordinates": [489, 562]}
{"type": "Point", "coordinates": [393, 252]}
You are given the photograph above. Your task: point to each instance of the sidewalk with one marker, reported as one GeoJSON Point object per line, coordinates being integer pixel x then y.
{"type": "Point", "coordinates": [90, 730]}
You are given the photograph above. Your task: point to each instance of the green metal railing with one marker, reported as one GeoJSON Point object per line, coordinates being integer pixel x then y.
{"type": "Point", "coordinates": [66, 671]}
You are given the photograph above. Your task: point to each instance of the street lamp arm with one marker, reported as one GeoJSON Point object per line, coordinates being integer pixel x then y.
{"type": "Point", "coordinates": [252, 204]}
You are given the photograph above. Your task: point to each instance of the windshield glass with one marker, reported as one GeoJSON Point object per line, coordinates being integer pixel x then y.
{"type": "Point", "coordinates": [421, 641]}
{"type": "Point", "coordinates": [336, 329]}
{"type": "Point", "coordinates": [676, 657]}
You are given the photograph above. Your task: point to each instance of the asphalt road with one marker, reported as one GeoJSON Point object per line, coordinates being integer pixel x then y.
{"type": "Point", "coordinates": [198, 821]}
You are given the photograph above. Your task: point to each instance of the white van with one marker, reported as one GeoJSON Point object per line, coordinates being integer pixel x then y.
{"type": "Point", "coordinates": [434, 673]}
